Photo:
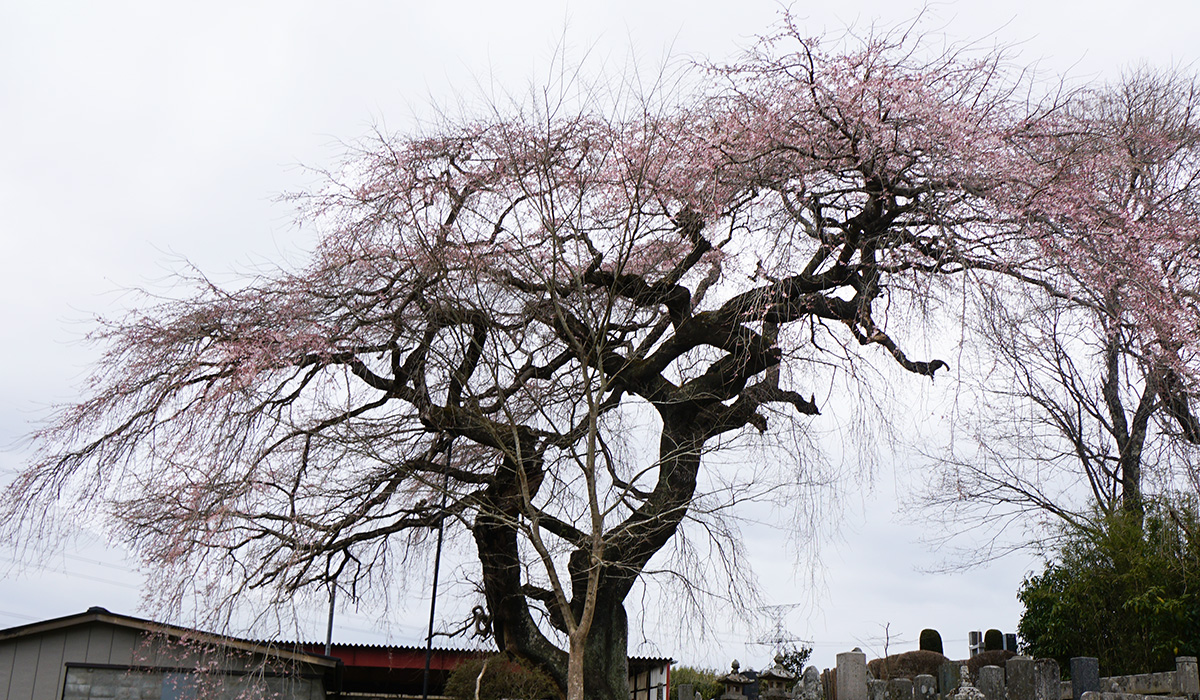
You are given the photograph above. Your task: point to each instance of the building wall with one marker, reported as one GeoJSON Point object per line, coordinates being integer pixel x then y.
{"type": "Point", "coordinates": [86, 683]}
{"type": "Point", "coordinates": [650, 684]}
{"type": "Point", "coordinates": [93, 660]}
{"type": "Point", "coordinates": [33, 667]}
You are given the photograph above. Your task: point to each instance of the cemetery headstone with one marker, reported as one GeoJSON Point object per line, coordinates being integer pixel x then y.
{"type": "Point", "coordinates": [1047, 684]}
{"type": "Point", "coordinates": [1187, 675]}
{"type": "Point", "coordinates": [852, 675]}
{"type": "Point", "coordinates": [925, 687]}
{"type": "Point", "coordinates": [1085, 676]}
{"type": "Point", "coordinates": [1019, 678]}
{"type": "Point", "coordinates": [991, 682]}
{"type": "Point", "coordinates": [948, 678]}
{"type": "Point", "coordinates": [900, 689]}
{"type": "Point", "coordinates": [966, 691]}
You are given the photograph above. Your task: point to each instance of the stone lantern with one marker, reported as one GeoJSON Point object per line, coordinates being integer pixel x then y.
{"type": "Point", "coordinates": [734, 683]}
{"type": "Point", "coordinates": [776, 682]}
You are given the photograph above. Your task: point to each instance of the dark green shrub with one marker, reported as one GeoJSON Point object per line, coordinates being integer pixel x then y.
{"type": "Point", "coordinates": [909, 664]}
{"type": "Point", "coordinates": [931, 641]}
{"type": "Point", "coordinates": [794, 659]}
{"type": "Point", "coordinates": [702, 680]}
{"type": "Point", "coordinates": [504, 677]}
{"type": "Point", "coordinates": [1125, 590]}
{"type": "Point", "coordinates": [993, 640]}
{"type": "Point", "coordinates": [997, 657]}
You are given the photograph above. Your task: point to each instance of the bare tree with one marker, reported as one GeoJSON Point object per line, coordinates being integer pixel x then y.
{"type": "Point", "coordinates": [1086, 405]}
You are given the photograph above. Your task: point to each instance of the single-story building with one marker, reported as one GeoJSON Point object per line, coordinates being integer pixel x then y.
{"type": "Point", "coordinates": [99, 654]}
{"type": "Point", "coordinates": [377, 672]}
{"type": "Point", "coordinates": [649, 677]}
{"type": "Point", "coordinates": [374, 671]}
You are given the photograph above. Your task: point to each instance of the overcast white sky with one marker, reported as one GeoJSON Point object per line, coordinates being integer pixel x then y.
{"type": "Point", "coordinates": [134, 133]}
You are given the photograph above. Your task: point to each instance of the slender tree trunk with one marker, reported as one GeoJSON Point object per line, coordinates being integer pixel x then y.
{"type": "Point", "coordinates": [575, 667]}
{"type": "Point", "coordinates": [1131, 492]}
{"type": "Point", "coordinates": [1130, 438]}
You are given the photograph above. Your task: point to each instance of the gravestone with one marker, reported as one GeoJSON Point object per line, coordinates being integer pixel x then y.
{"type": "Point", "coordinates": [991, 683]}
{"type": "Point", "coordinates": [852, 675]}
{"type": "Point", "coordinates": [1018, 673]}
{"type": "Point", "coordinates": [1047, 680]}
{"type": "Point", "coordinates": [948, 679]}
{"type": "Point", "coordinates": [925, 687]}
{"type": "Point", "coordinates": [1187, 675]}
{"type": "Point", "coordinates": [877, 690]}
{"type": "Point", "coordinates": [899, 689]}
{"type": "Point", "coordinates": [686, 691]}
{"type": "Point", "coordinates": [1085, 675]}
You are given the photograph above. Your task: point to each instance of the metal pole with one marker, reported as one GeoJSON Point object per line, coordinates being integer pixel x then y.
{"type": "Point", "coordinates": [329, 629]}
{"type": "Point", "coordinates": [437, 562]}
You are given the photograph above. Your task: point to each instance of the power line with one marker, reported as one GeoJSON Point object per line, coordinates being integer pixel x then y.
{"type": "Point", "coordinates": [19, 616]}
{"type": "Point", "coordinates": [97, 562]}
{"type": "Point", "coordinates": [71, 574]}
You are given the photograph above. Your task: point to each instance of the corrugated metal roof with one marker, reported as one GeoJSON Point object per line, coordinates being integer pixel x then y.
{"type": "Point", "coordinates": [311, 651]}
{"type": "Point", "coordinates": [99, 614]}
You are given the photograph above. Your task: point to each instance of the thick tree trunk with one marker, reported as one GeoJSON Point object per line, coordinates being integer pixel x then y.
{"type": "Point", "coordinates": [513, 628]}
{"type": "Point", "coordinates": [605, 655]}
{"type": "Point", "coordinates": [603, 664]}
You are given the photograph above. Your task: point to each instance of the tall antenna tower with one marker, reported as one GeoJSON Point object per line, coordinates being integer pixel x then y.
{"type": "Point", "coordinates": [779, 638]}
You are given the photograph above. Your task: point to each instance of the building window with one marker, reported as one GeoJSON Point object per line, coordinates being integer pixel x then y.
{"type": "Point", "coordinates": [179, 686]}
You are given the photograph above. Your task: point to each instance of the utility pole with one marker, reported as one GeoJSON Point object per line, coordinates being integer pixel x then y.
{"type": "Point", "coordinates": [437, 563]}
{"type": "Point", "coordinates": [329, 629]}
